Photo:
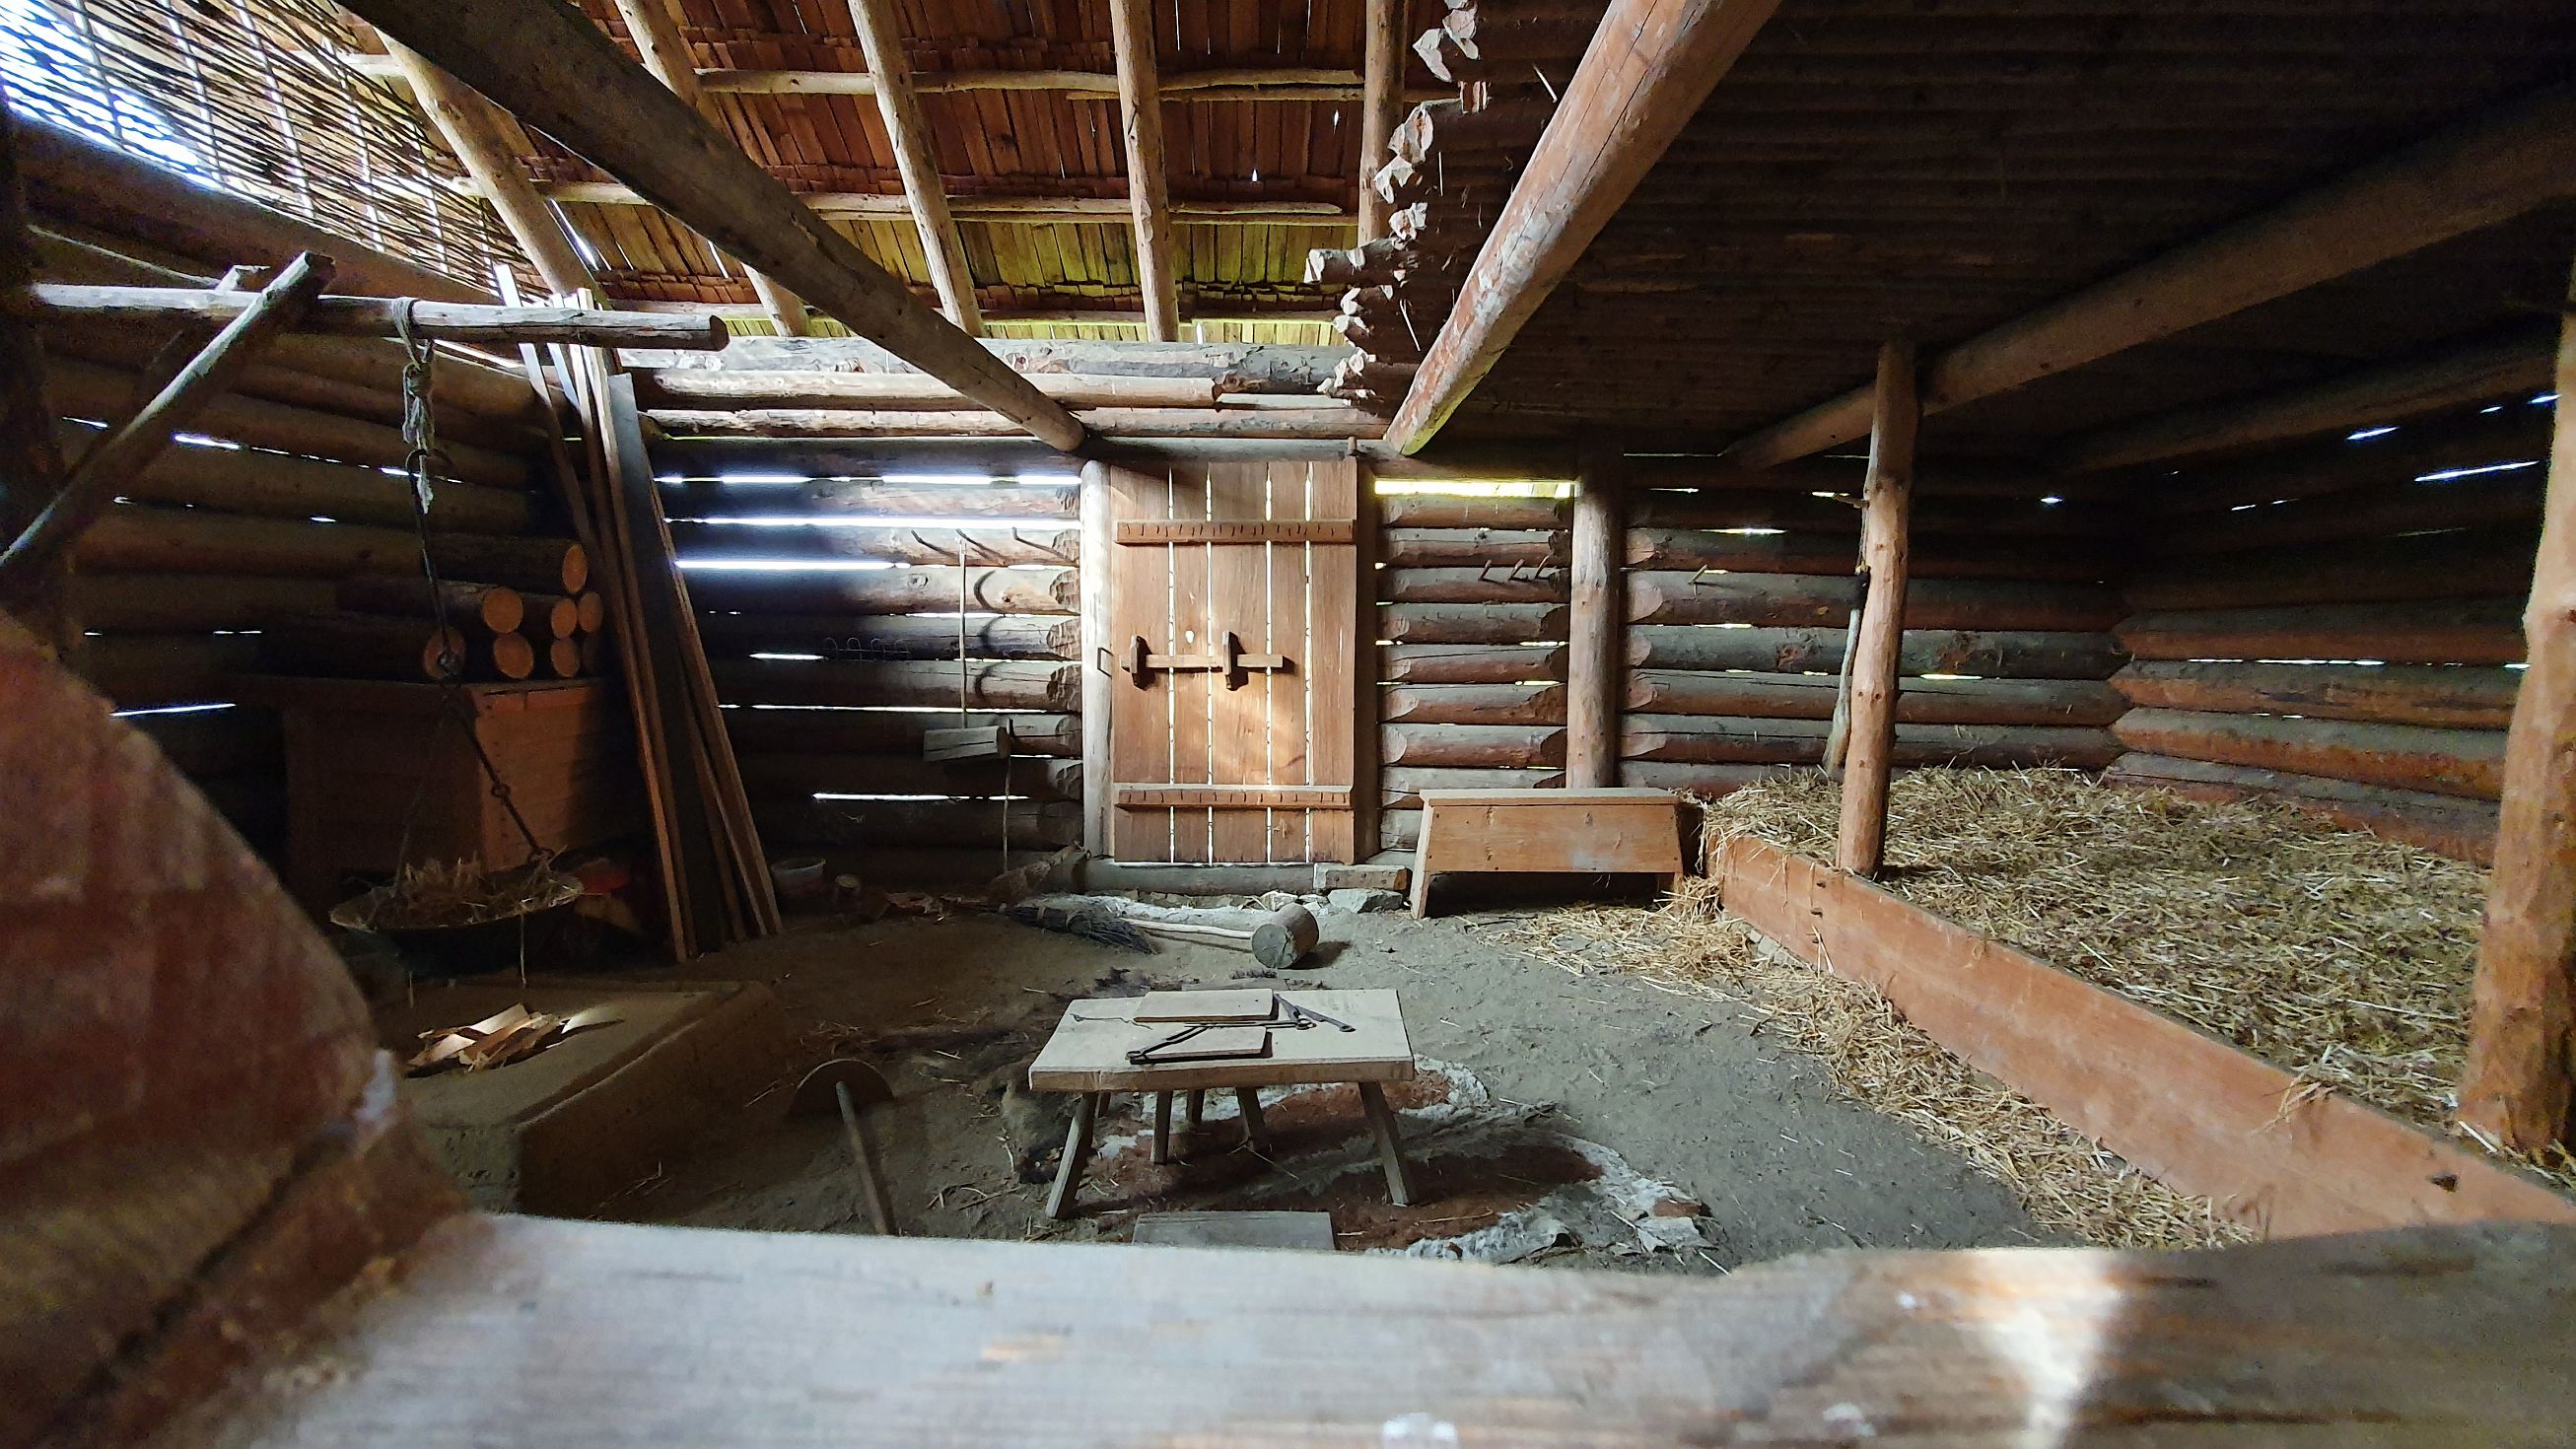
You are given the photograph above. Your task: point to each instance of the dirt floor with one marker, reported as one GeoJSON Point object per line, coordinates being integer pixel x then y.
{"type": "Point", "coordinates": [1560, 1117]}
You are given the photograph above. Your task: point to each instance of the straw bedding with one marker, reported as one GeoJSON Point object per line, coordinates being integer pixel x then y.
{"type": "Point", "coordinates": [2338, 956]}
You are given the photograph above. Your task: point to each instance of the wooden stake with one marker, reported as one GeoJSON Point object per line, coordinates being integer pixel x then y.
{"type": "Point", "coordinates": [1381, 105]}
{"type": "Point", "coordinates": [1140, 110]}
{"type": "Point", "coordinates": [1872, 736]}
{"type": "Point", "coordinates": [1099, 679]}
{"type": "Point", "coordinates": [881, 37]}
{"type": "Point", "coordinates": [1596, 646]}
{"type": "Point", "coordinates": [2522, 1022]}
{"type": "Point", "coordinates": [474, 129]}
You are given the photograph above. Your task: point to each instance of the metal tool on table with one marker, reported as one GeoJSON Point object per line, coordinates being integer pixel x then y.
{"type": "Point", "coordinates": [1286, 1015]}
{"type": "Point", "coordinates": [1280, 940]}
{"type": "Point", "coordinates": [851, 1085]}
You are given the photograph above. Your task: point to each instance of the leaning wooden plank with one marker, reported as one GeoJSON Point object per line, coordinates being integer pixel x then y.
{"type": "Point", "coordinates": [1650, 65]}
{"type": "Point", "coordinates": [2443, 824]}
{"type": "Point", "coordinates": [552, 68]}
{"type": "Point", "coordinates": [2199, 1115]}
{"type": "Point", "coordinates": [2453, 696]}
{"type": "Point", "coordinates": [2474, 175]}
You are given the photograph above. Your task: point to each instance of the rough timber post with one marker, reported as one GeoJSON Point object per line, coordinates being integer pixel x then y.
{"type": "Point", "coordinates": [1596, 646]}
{"type": "Point", "coordinates": [1884, 498]}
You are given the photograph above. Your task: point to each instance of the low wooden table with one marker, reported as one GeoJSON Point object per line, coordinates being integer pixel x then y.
{"type": "Point", "coordinates": [1578, 832]}
{"type": "Point", "coordinates": [1088, 1054]}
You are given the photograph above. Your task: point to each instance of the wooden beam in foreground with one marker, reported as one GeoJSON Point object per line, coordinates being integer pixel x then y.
{"type": "Point", "coordinates": [1140, 113]}
{"type": "Point", "coordinates": [2199, 1115]}
{"type": "Point", "coordinates": [473, 128]}
{"type": "Point", "coordinates": [2522, 1023]}
{"type": "Point", "coordinates": [1650, 65]}
{"type": "Point", "coordinates": [1887, 494]}
{"type": "Point", "coordinates": [554, 70]}
{"type": "Point", "coordinates": [880, 29]}
{"type": "Point", "coordinates": [2475, 372]}
{"type": "Point", "coordinates": [1596, 656]}
{"type": "Point", "coordinates": [655, 29]}
{"type": "Point", "coordinates": [1219, 83]}
{"type": "Point", "coordinates": [2471, 176]}
{"type": "Point", "coordinates": [1381, 105]}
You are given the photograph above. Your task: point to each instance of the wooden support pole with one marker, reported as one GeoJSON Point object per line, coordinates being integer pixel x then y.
{"type": "Point", "coordinates": [1862, 841]}
{"type": "Point", "coordinates": [2470, 177]}
{"type": "Point", "coordinates": [1381, 105]}
{"type": "Point", "coordinates": [473, 128]}
{"type": "Point", "coordinates": [1099, 679]}
{"type": "Point", "coordinates": [554, 70]}
{"type": "Point", "coordinates": [1131, 28]}
{"type": "Point", "coordinates": [2522, 1021]}
{"type": "Point", "coordinates": [131, 446]}
{"type": "Point", "coordinates": [1651, 64]}
{"type": "Point", "coordinates": [1596, 644]}
{"type": "Point", "coordinates": [654, 26]}
{"type": "Point", "coordinates": [880, 29]}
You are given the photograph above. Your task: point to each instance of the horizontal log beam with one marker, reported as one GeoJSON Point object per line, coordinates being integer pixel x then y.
{"type": "Point", "coordinates": [1919, 701]}
{"type": "Point", "coordinates": [2451, 631]}
{"type": "Point", "coordinates": [891, 731]}
{"type": "Point", "coordinates": [1279, 84]}
{"type": "Point", "coordinates": [719, 541]}
{"type": "Point", "coordinates": [885, 591]}
{"type": "Point", "coordinates": [1111, 424]}
{"type": "Point", "coordinates": [1472, 623]}
{"type": "Point", "coordinates": [1506, 584]}
{"type": "Point", "coordinates": [1672, 597]}
{"type": "Point", "coordinates": [2467, 763]}
{"type": "Point", "coordinates": [2496, 500]}
{"type": "Point", "coordinates": [139, 671]}
{"type": "Point", "coordinates": [851, 774]}
{"type": "Point", "coordinates": [1003, 210]}
{"type": "Point", "coordinates": [1471, 664]}
{"type": "Point", "coordinates": [275, 485]}
{"type": "Point", "coordinates": [894, 685]}
{"type": "Point", "coordinates": [2443, 824]}
{"type": "Point", "coordinates": [177, 307]}
{"type": "Point", "coordinates": [890, 636]}
{"type": "Point", "coordinates": [901, 391]}
{"type": "Point", "coordinates": [2450, 696]}
{"type": "Point", "coordinates": [1493, 704]}
{"type": "Point", "coordinates": [1935, 557]}
{"type": "Point", "coordinates": [1473, 746]}
{"type": "Point", "coordinates": [2465, 178]}
{"type": "Point", "coordinates": [846, 499]}
{"type": "Point", "coordinates": [1429, 547]}
{"type": "Point", "coordinates": [807, 822]}
{"type": "Point", "coordinates": [177, 602]}
{"type": "Point", "coordinates": [2471, 563]}
{"type": "Point", "coordinates": [1996, 653]}
{"type": "Point", "coordinates": [1706, 739]}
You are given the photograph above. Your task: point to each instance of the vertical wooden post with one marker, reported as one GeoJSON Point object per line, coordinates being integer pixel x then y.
{"type": "Point", "coordinates": [474, 129]}
{"type": "Point", "coordinates": [1381, 105]}
{"type": "Point", "coordinates": [1099, 681]}
{"type": "Point", "coordinates": [2522, 1019]}
{"type": "Point", "coordinates": [1140, 110]}
{"type": "Point", "coordinates": [1594, 656]}
{"type": "Point", "coordinates": [1884, 499]}
{"type": "Point", "coordinates": [31, 462]}
{"type": "Point", "coordinates": [1366, 669]}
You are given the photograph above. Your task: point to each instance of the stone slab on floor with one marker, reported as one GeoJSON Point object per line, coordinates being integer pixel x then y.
{"type": "Point", "coordinates": [594, 1114]}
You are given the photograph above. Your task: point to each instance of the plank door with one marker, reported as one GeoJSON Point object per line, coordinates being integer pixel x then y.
{"type": "Point", "coordinates": [1268, 552]}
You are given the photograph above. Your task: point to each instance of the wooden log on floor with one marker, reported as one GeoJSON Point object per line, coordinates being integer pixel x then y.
{"type": "Point", "coordinates": [891, 636]}
{"type": "Point", "coordinates": [474, 608]}
{"type": "Point", "coordinates": [863, 498]}
{"type": "Point", "coordinates": [1478, 746]}
{"type": "Point", "coordinates": [1401, 788]}
{"type": "Point", "coordinates": [1466, 510]}
{"type": "Point", "coordinates": [2447, 631]}
{"type": "Point", "coordinates": [142, 671]}
{"type": "Point", "coordinates": [2447, 696]}
{"type": "Point", "coordinates": [893, 684]}
{"type": "Point", "coordinates": [703, 387]}
{"type": "Point", "coordinates": [984, 547]}
{"type": "Point", "coordinates": [1479, 704]}
{"type": "Point", "coordinates": [807, 822]}
{"type": "Point", "coordinates": [274, 485]}
{"type": "Point", "coordinates": [86, 390]}
{"type": "Point", "coordinates": [2443, 824]}
{"type": "Point", "coordinates": [1444, 664]}
{"type": "Point", "coordinates": [190, 603]}
{"type": "Point", "coordinates": [842, 774]}
{"type": "Point", "coordinates": [2473, 563]}
{"type": "Point", "coordinates": [1475, 547]}
{"type": "Point", "coordinates": [1706, 739]}
{"type": "Point", "coordinates": [776, 731]}
{"type": "Point", "coordinates": [2466, 763]}
{"type": "Point", "coordinates": [365, 646]}
{"type": "Point", "coordinates": [137, 539]}
{"type": "Point", "coordinates": [1472, 623]}
{"type": "Point", "coordinates": [2500, 500]}
{"type": "Point", "coordinates": [1833, 553]}
{"type": "Point", "coordinates": [1665, 597]}
{"type": "Point", "coordinates": [1919, 701]}
{"type": "Point", "coordinates": [2001, 654]}
{"type": "Point", "coordinates": [1492, 585]}
{"type": "Point", "coordinates": [887, 591]}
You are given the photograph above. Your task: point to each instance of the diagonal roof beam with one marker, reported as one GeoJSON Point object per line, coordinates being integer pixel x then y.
{"type": "Point", "coordinates": [1650, 65]}
{"type": "Point", "coordinates": [656, 33]}
{"type": "Point", "coordinates": [546, 64]}
{"type": "Point", "coordinates": [881, 38]}
{"type": "Point", "coordinates": [1140, 112]}
{"type": "Point", "coordinates": [2458, 181]}
{"type": "Point", "coordinates": [478, 133]}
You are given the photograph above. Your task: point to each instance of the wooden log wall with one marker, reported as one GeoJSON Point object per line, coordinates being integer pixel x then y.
{"type": "Point", "coordinates": [846, 617]}
{"type": "Point", "coordinates": [2337, 624]}
{"type": "Point", "coordinates": [273, 541]}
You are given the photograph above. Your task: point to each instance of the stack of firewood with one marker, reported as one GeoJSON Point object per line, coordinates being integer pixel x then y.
{"type": "Point", "coordinates": [1448, 169]}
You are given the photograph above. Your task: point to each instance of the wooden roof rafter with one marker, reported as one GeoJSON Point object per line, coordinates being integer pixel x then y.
{"type": "Point", "coordinates": [1274, 84]}
{"type": "Point", "coordinates": [1140, 113]}
{"type": "Point", "coordinates": [881, 36]}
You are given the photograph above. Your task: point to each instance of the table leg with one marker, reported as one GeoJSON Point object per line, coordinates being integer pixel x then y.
{"type": "Point", "coordinates": [1077, 1151]}
{"type": "Point", "coordinates": [1390, 1147]}
{"type": "Point", "coordinates": [1162, 1128]}
{"type": "Point", "coordinates": [1422, 867]}
{"type": "Point", "coordinates": [1247, 1100]}
{"type": "Point", "coordinates": [1193, 1107]}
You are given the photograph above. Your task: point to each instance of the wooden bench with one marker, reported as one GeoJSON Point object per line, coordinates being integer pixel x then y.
{"type": "Point", "coordinates": [1581, 832]}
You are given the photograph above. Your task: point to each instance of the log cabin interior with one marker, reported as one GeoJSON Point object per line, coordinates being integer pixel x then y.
{"type": "Point", "coordinates": [923, 723]}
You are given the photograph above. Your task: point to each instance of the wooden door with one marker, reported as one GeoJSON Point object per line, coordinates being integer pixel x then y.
{"type": "Point", "coordinates": [1259, 766]}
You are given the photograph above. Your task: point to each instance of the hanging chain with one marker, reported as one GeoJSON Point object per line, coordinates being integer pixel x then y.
{"type": "Point", "coordinates": [423, 460]}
